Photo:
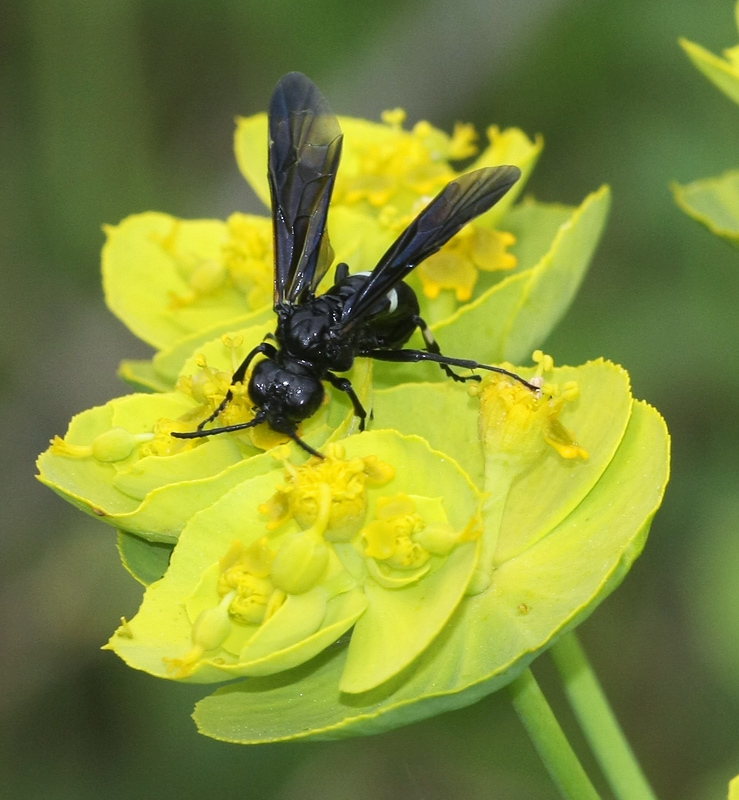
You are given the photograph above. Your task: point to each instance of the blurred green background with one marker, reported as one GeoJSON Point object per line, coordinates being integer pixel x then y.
{"type": "Point", "coordinates": [111, 108]}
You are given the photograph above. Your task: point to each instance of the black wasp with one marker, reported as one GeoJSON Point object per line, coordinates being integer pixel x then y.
{"type": "Point", "coordinates": [370, 314]}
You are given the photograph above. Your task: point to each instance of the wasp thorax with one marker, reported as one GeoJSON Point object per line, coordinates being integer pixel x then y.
{"type": "Point", "coordinates": [309, 333]}
{"type": "Point", "coordinates": [289, 393]}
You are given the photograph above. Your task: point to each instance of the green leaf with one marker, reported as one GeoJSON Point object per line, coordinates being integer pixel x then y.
{"type": "Point", "coordinates": [556, 278]}
{"type": "Point", "coordinates": [141, 375]}
{"type": "Point", "coordinates": [400, 624]}
{"type": "Point", "coordinates": [168, 363]}
{"type": "Point", "coordinates": [544, 591]}
{"type": "Point", "coordinates": [724, 74]}
{"type": "Point", "coordinates": [535, 226]}
{"type": "Point", "coordinates": [162, 628]}
{"type": "Point", "coordinates": [145, 561]}
{"type": "Point", "coordinates": [714, 202]}
{"type": "Point", "coordinates": [154, 496]}
{"type": "Point", "coordinates": [146, 496]}
{"type": "Point", "coordinates": [441, 413]}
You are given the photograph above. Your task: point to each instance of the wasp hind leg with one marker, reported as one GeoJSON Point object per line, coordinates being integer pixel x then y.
{"type": "Point", "coordinates": [432, 346]}
{"type": "Point", "coordinates": [413, 356]}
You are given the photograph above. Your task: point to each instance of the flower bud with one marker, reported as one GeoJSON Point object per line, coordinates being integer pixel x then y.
{"type": "Point", "coordinates": [300, 563]}
{"type": "Point", "coordinates": [115, 444]}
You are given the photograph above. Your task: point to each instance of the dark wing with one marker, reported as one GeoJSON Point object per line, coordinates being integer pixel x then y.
{"type": "Point", "coordinates": [458, 203]}
{"type": "Point", "coordinates": [304, 152]}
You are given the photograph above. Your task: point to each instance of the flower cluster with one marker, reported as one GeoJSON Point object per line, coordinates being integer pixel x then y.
{"type": "Point", "coordinates": [414, 567]}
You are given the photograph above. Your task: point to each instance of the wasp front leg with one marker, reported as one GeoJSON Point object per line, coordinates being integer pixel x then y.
{"type": "Point", "coordinates": [345, 385]}
{"type": "Point", "coordinates": [264, 348]}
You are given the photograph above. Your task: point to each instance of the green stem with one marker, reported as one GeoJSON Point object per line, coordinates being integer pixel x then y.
{"type": "Point", "coordinates": [549, 740]}
{"type": "Point", "coordinates": [604, 734]}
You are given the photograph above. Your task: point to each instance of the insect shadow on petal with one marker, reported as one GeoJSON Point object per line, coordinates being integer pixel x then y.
{"type": "Point", "coordinates": [371, 314]}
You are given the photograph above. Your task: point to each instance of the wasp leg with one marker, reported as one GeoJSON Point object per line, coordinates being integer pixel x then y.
{"type": "Point", "coordinates": [268, 350]}
{"type": "Point", "coordinates": [200, 434]}
{"type": "Point", "coordinates": [433, 347]}
{"type": "Point", "coordinates": [260, 417]}
{"type": "Point", "coordinates": [411, 356]}
{"type": "Point", "coordinates": [345, 385]}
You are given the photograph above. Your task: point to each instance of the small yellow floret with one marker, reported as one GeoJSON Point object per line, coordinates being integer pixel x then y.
{"type": "Point", "coordinates": [247, 257]}
{"type": "Point", "coordinates": [246, 572]}
{"type": "Point", "coordinates": [209, 631]}
{"type": "Point", "coordinates": [398, 535]}
{"type": "Point", "coordinates": [209, 386]}
{"type": "Point", "coordinates": [115, 444]}
{"type": "Point", "coordinates": [457, 264]}
{"type": "Point", "coordinates": [464, 141]}
{"type": "Point", "coordinates": [394, 117]}
{"type": "Point", "coordinates": [328, 494]}
{"type": "Point", "coordinates": [244, 263]}
{"type": "Point", "coordinates": [394, 166]}
{"type": "Point", "coordinates": [518, 423]}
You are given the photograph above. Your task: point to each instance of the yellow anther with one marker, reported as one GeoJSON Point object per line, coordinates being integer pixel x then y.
{"type": "Point", "coordinates": [209, 386]}
{"type": "Point", "coordinates": [184, 667]}
{"type": "Point", "coordinates": [162, 443]}
{"type": "Point", "coordinates": [257, 558]}
{"type": "Point", "coordinates": [422, 129]}
{"type": "Point", "coordinates": [61, 447]}
{"type": "Point", "coordinates": [232, 342]}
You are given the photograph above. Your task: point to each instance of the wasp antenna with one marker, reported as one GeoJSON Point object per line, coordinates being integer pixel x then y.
{"type": "Point", "coordinates": [308, 449]}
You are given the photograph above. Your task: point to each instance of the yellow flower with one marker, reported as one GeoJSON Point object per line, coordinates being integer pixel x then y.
{"type": "Point", "coordinates": [391, 536]}
{"type": "Point", "coordinates": [517, 424]}
{"type": "Point", "coordinates": [244, 262]}
{"type": "Point", "coordinates": [393, 173]}
{"type": "Point", "coordinates": [456, 266]}
{"type": "Point", "coordinates": [331, 491]}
